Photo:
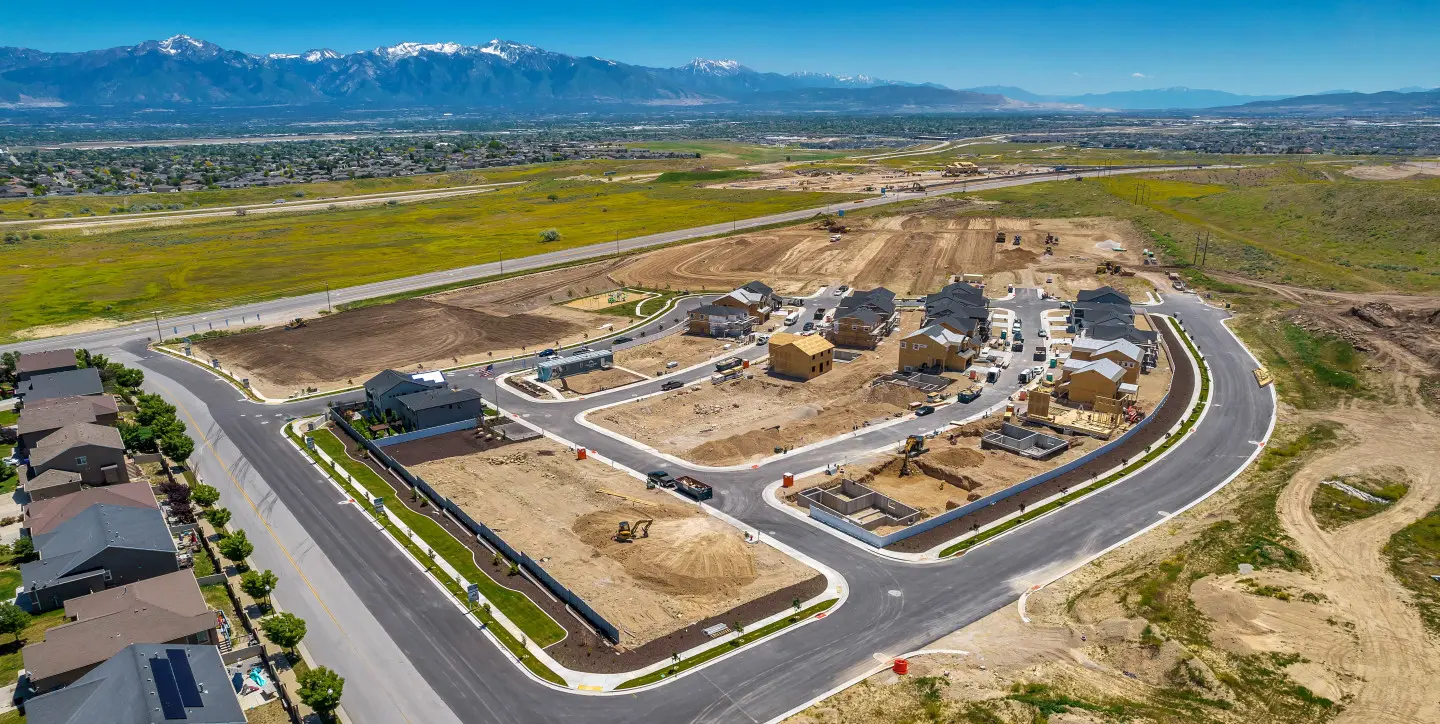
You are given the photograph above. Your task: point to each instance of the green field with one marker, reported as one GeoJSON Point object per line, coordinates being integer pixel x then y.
{"type": "Point", "coordinates": [729, 153]}
{"type": "Point", "coordinates": [70, 276]}
{"type": "Point", "coordinates": [1305, 225]}
{"type": "Point", "coordinates": [1414, 555]}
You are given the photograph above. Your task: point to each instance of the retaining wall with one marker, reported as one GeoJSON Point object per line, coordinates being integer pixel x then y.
{"type": "Point", "coordinates": [479, 529]}
{"type": "Point", "coordinates": [427, 432]}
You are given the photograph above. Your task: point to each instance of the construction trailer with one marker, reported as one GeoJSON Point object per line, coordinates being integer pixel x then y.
{"type": "Point", "coordinates": [555, 368]}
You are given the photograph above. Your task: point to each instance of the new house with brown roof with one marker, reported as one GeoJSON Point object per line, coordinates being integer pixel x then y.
{"type": "Point", "coordinates": [39, 420]}
{"type": "Point", "coordinates": [803, 357]}
{"type": "Point", "coordinates": [168, 609]}
{"type": "Point", "coordinates": [864, 318]}
{"type": "Point", "coordinates": [94, 452]}
{"type": "Point", "coordinates": [39, 363]}
{"type": "Point", "coordinates": [935, 349]}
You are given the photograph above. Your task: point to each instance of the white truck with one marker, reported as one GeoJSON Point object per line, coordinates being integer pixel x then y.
{"type": "Point", "coordinates": [792, 318]}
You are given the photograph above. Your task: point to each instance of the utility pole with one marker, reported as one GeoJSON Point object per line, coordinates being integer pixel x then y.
{"type": "Point", "coordinates": [1195, 258]}
{"type": "Point", "coordinates": [159, 336]}
{"type": "Point", "coordinates": [617, 242]}
{"type": "Point", "coordinates": [501, 252]}
{"type": "Point", "coordinates": [1205, 254]}
{"type": "Point", "coordinates": [328, 308]}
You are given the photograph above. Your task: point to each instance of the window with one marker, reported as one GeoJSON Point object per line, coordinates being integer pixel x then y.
{"type": "Point", "coordinates": [108, 576]}
{"type": "Point", "coordinates": [81, 461]}
{"type": "Point", "coordinates": [902, 346]}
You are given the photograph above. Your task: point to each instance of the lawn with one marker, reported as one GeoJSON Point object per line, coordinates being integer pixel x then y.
{"type": "Point", "coordinates": [218, 597]}
{"type": "Point", "coordinates": [531, 620]}
{"type": "Point", "coordinates": [68, 276]}
{"type": "Point", "coordinates": [1414, 555]}
{"type": "Point", "coordinates": [11, 661]}
{"type": "Point", "coordinates": [8, 417]}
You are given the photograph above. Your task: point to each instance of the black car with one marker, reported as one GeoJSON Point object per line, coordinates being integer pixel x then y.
{"type": "Point", "coordinates": [808, 327]}
{"type": "Point", "coordinates": [672, 385]}
{"type": "Point", "coordinates": [923, 410]}
{"type": "Point", "coordinates": [622, 340]}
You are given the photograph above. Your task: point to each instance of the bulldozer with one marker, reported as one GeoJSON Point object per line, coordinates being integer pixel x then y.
{"type": "Point", "coordinates": [629, 532]}
{"type": "Point", "coordinates": [296, 323]}
{"type": "Point", "coordinates": [914, 445]}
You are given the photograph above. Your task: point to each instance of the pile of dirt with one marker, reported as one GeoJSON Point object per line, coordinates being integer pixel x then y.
{"type": "Point", "coordinates": [950, 456]}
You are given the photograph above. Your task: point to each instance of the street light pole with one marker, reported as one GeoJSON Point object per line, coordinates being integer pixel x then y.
{"type": "Point", "coordinates": [328, 308]}
{"type": "Point", "coordinates": [159, 336]}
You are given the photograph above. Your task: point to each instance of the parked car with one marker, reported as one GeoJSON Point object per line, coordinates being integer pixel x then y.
{"type": "Point", "coordinates": [809, 327]}
{"type": "Point", "coordinates": [547, 353]}
{"type": "Point", "coordinates": [924, 410]}
{"type": "Point", "coordinates": [622, 340]}
{"type": "Point", "coordinates": [672, 385]}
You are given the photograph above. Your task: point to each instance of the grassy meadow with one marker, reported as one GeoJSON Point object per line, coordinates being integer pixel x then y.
{"type": "Point", "coordinates": [69, 276]}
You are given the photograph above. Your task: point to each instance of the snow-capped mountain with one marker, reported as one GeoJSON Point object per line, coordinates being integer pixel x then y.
{"type": "Point", "coordinates": [185, 71]}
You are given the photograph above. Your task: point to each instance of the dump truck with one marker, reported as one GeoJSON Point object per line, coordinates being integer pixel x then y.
{"type": "Point", "coordinates": [1039, 353]}
{"type": "Point", "coordinates": [693, 489]}
{"type": "Point", "coordinates": [969, 394]}
{"type": "Point", "coordinates": [729, 363]}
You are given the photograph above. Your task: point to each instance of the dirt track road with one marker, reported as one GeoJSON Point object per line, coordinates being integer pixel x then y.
{"type": "Point", "coordinates": [1392, 653]}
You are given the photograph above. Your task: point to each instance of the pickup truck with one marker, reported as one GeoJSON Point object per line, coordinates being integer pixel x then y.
{"type": "Point", "coordinates": [659, 478]}
{"type": "Point", "coordinates": [672, 385]}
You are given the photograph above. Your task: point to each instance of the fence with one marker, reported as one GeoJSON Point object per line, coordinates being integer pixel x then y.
{"type": "Point", "coordinates": [427, 432]}
{"type": "Point", "coordinates": [337, 415]}
{"type": "Point", "coordinates": [839, 522]}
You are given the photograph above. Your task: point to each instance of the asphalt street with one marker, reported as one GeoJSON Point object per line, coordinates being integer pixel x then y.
{"type": "Point", "coordinates": [409, 655]}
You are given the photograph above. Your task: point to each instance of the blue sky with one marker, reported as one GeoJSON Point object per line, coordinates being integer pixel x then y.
{"type": "Point", "coordinates": [1264, 46]}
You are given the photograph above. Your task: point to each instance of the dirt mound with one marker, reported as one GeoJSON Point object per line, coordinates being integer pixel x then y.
{"type": "Point", "coordinates": [955, 457]}
{"type": "Point", "coordinates": [898, 395]}
{"type": "Point", "coordinates": [694, 559]}
{"type": "Point", "coordinates": [1376, 314]}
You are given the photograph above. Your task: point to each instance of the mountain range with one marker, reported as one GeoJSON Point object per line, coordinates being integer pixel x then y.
{"type": "Point", "coordinates": [182, 71]}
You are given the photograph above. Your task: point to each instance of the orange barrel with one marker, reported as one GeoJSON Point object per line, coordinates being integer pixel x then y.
{"type": "Point", "coordinates": [580, 453]}
{"type": "Point", "coordinates": [744, 364]}
{"type": "Point", "coordinates": [901, 667]}
{"type": "Point", "coordinates": [1022, 395]}
{"type": "Point", "coordinates": [789, 480]}
{"type": "Point", "coordinates": [974, 375]}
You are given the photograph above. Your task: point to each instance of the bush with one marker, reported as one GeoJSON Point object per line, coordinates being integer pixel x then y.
{"type": "Point", "coordinates": [23, 549]}
{"type": "Point", "coordinates": [549, 235]}
{"type": "Point", "coordinates": [204, 495]}
{"type": "Point", "coordinates": [218, 517]}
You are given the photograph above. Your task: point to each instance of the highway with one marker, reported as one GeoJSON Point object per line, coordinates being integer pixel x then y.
{"type": "Point", "coordinates": [409, 655]}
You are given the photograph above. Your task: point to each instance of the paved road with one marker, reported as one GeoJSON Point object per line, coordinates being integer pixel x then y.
{"type": "Point", "coordinates": [306, 303]}
{"type": "Point", "coordinates": [410, 656]}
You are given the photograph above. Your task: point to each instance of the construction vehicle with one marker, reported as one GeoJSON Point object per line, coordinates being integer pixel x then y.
{"type": "Point", "coordinates": [1017, 240]}
{"type": "Point", "coordinates": [629, 532]}
{"type": "Point", "coordinates": [297, 323]}
{"type": "Point", "coordinates": [999, 237]}
{"type": "Point", "coordinates": [969, 395]}
{"type": "Point", "coordinates": [728, 363]}
{"type": "Point", "coordinates": [914, 445]}
{"type": "Point", "coordinates": [693, 489]}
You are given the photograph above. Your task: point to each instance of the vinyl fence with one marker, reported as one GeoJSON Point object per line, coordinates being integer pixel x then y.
{"type": "Point", "coordinates": [337, 415]}
{"type": "Point", "coordinates": [427, 432]}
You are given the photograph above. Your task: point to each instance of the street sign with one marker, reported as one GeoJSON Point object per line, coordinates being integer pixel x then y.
{"type": "Point", "coordinates": [473, 593]}
{"type": "Point", "coordinates": [309, 442]}
{"type": "Point", "coordinates": [379, 506]}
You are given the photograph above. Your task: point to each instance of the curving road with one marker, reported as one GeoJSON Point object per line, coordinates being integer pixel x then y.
{"type": "Point", "coordinates": [409, 655]}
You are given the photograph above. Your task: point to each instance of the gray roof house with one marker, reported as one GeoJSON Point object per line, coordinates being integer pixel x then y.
{"type": "Point", "coordinates": [146, 684]}
{"type": "Point", "coordinates": [432, 408]}
{"type": "Point", "coordinates": [37, 421]}
{"type": "Point", "coordinates": [960, 292]}
{"type": "Point", "coordinates": [95, 452]}
{"type": "Point", "coordinates": [39, 363]}
{"type": "Point", "coordinates": [104, 546]}
{"type": "Point", "coordinates": [67, 383]}
{"type": "Point", "coordinates": [382, 391]}
{"type": "Point", "coordinates": [1103, 295]}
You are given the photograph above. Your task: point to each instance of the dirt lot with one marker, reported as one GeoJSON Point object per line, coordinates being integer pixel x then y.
{"type": "Point", "coordinates": [468, 325]}
{"type": "Point", "coordinates": [606, 300]}
{"type": "Point", "coordinates": [1395, 171]}
{"type": "Point", "coordinates": [597, 381]}
{"type": "Point", "coordinates": [766, 412]}
{"type": "Point", "coordinates": [850, 183]}
{"type": "Point", "coordinates": [546, 503]}
{"type": "Point", "coordinates": [947, 475]}
{"type": "Point", "coordinates": [909, 254]}
{"type": "Point", "coordinates": [684, 349]}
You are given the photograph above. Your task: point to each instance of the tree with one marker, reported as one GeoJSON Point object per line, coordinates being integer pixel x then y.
{"type": "Point", "coordinates": [13, 619]}
{"type": "Point", "coordinates": [320, 689]}
{"type": "Point", "coordinates": [258, 585]}
{"type": "Point", "coordinates": [136, 437]}
{"type": "Point", "coordinates": [177, 446]}
{"type": "Point", "coordinates": [236, 547]}
{"type": "Point", "coordinates": [129, 377]}
{"type": "Point", "coordinates": [553, 197]}
{"type": "Point", "coordinates": [218, 517]}
{"type": "Point", "coordinates": [204, 495]}
{"type": "Point", "coordinates": [23, 548]}
{"type": "Point", "coordinates": [285, 630]}
{"type": "Point", "coordinates": [549, 235]}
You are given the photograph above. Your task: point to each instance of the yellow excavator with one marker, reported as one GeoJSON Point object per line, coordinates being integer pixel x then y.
{"type": "Point", "coordinates": [629, 532]}
{"type": "Point", "coordinates": [914, 445]}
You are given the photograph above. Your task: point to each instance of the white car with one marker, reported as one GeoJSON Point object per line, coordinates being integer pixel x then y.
{"type": "Point", "coordinates": [1016, 326]}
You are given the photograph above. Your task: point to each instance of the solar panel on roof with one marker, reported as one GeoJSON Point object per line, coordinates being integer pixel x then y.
{"type": "Point", "coordinates": [184, 677]}
{"type": "Point", "coordinates": [165, 687]}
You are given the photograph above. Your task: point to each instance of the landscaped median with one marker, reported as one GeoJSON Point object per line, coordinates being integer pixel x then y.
{"type": "Point", "coordinates": [365, 484]}
{"type": "Point", "coordinates": [1154, 452]}
{"type": "Point", "coordinates": [734, 644]}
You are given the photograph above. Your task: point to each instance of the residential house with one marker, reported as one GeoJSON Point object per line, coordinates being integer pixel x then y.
{"type": "Point", "coordinates": [1116, 329]}
{"type": "Point", "coordinates": [714, 320]}
{"type": "Point", "coordinates": [432, 408]}
{"type": "Point", "coordinates": [772, 299]}
{"type": "Point", "coordinates": [755, 299]}
{"type": "Point", "coordinates": [1085, 380]}
{"type": "Point", "coordinates": [50, 484]}
{"type": "Point", "coordinates": [168, 609]}
{"type": "Point", "coordinates": [968, 319]}
{"type": "Point", "coordinates": [803, 357]}
{"type": "Point", "coordinates": [1100, 306]}
{"type": "Point", "coordinates": [934, 349]}
{"type": "Point", "coordinates": [1119, 351]}
{"type": "Point", "coordinates": [40, 363]}
{"type": "Point", "coordinates": [65, 383]}
{"type": "Point", "coordinates": [101, 547]}
{"type": "Point", "coordinates": [43, 516]}
{"type": "Point", "coordinates": [94, 452]}
{"type": "Point", "coordinates": [864, 318]}
{"type": "Point", "coordinates": [1103, 295]}
{"type": "Point", "coordinates": [382, 391]}
{"type": "Point", "coordinates": [962, 292]}
{"type": "Point", "coordinates": [40, 419]}
{"type": "Point", "coordinates": [145, 684]}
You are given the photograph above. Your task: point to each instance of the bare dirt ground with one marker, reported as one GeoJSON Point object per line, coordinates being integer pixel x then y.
{"type": "Point", "coordinates": [909, 254]}
{"type": "Point", "coordinates": [1343, 629]}
{"type": "Point", "coordinates": [683, 349]}
{"type": "Point", "coordinates": [597, 381]}
{"type": "Point", "coordinates": [758, 415]}
{"type": "Point", "coordinates": [1395, 171]}
{"type": "Point", "coordinates": [850, 183]}
{"type": "Point", "coordinates": [542, 501]}
{"type": "Point", "coordinates": [606, 300]}
{"type": "Point", "coordinates": [460, 327]}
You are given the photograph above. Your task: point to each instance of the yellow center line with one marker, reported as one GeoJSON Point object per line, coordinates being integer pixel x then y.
{"type": "Point", "coordinates": [273, 536]}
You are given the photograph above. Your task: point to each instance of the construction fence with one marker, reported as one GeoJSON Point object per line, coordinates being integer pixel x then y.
{"type": "Point", "coordinates": [483, 532]}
